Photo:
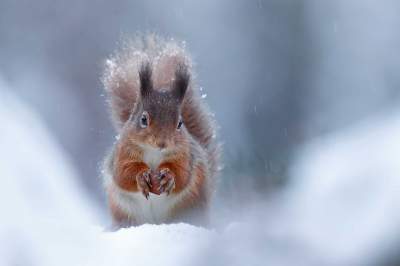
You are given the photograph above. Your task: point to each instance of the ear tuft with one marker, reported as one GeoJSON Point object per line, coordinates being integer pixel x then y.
{"type": "Point", "coordinates": [146, 84]}
{"type": "Point", "coordinates": [181, 82]}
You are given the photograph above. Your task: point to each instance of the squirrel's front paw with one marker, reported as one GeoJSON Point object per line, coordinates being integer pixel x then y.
{"type": "Point", "coordinates": [167, 180]}
{"type": "Point", "coordinates": [143, 182]}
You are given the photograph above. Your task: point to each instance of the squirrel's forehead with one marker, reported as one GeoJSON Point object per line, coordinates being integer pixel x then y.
{"type": "Point", "coordinates": [161, 107]}
{"type": "Point", "coordinates": [161, 99]}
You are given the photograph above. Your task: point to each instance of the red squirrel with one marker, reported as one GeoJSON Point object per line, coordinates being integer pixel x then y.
{"type": "Point", "coordinates": [163, 165]}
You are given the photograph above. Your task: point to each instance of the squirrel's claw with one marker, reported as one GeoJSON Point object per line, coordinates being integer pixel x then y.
{"type": "Point", "coordinates": [144, 183]}
{"type": "Point", "coordinates": [148, 180]}
{"type": "Point", "coordinates": [170, 186]}
{"type": "Point", "coordinates": [167, 181]}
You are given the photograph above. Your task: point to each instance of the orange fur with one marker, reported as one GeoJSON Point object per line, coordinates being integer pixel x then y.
{"type": "Point", "coordinates": [197, 198]}
{"type": "Point", "coordinates": [127, 166]}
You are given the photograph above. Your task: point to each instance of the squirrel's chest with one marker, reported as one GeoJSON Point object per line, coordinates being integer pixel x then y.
{"type": "Point", "coordinates": [152, 156]}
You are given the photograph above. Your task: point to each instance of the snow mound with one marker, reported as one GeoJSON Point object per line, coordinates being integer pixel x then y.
{"type": "Point", "coordinates": [47, 218]}
{"type": "Point", "coordinates": [345, 197]}
{"type": "Point", "coordinates": [39, 193]}
{"type": "Point", "coordinates": [175, 244]}
{"type": "Point", "coordinates": [342, 208]}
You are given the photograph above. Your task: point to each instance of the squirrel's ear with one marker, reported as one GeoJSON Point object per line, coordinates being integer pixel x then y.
{"type": "Point", "coordinates": [181, 82]}
{"type": "Point", "coordinates": [146, 84]}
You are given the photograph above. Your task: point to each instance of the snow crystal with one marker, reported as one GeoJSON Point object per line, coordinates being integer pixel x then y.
{"type": "Point", "coordinates": [110, 63]}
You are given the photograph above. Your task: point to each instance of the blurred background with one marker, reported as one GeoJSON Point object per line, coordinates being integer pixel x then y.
{"type": "Point", "coordinates": [280, 76]}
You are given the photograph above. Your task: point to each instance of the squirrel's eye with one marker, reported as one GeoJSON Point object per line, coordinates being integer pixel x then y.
{"type": "Point", "coordinates": [180, 123]}
{"type": "Point", "coordinates": [144, 121]}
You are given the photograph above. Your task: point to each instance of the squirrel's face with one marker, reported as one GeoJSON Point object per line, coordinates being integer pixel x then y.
{"type": "Point", "coordinates": [157, 119]}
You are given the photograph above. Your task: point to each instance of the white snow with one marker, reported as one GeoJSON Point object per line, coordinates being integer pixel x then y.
{"type": "Point", "coordinates": [48, 219]}
{"type": "Point", "coordinates": [175, 244]}
{"type": "Point", "coordinates": [342, 206]}
{"type": "Point", "coordinates": [41, 201]}
{"type": "Point", "coordinates": [346, 192]}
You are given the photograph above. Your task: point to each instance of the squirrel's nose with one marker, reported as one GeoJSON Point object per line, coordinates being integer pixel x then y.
{"type": "Point", "coordinates": [162, 144]}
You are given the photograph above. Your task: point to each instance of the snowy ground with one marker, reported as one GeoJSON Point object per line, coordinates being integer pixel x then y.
{"type": "Point", "coordinates": [342, 208]}
{"type": "Point", "coordinates": [46, 217]}
{"type": "Point", "coordinates": [40, 200]}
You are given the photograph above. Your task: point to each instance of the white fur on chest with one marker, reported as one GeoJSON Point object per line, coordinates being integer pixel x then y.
{"type": "Point", "coordinates": [155, 209]}
{"type": "Point", "coordinates": [152, 156]}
